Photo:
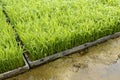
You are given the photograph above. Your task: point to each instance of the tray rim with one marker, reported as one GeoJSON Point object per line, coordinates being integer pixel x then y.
{"type": "Point", "coordinates": [70, 51]}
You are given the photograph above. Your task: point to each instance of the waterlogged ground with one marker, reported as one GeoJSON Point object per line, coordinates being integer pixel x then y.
{"type": "Point", "coordinates": [100, 62]}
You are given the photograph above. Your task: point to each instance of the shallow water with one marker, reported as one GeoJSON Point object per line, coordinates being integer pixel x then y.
{"type": "Point", "coordinates": [100, 62]}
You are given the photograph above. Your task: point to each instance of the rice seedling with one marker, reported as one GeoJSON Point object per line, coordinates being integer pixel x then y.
{"type": "Point", "coordinates": [10, 53]}
{"type": "Point", "coordinates": [50, 26]}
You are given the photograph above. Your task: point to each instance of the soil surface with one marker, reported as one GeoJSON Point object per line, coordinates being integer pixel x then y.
{"type": "Point", "coordinates": [100, 62]}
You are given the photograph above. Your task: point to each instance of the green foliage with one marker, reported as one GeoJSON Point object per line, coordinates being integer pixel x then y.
{"type": "Point", "coordinates": [10, 53]}
{"type": "Point", "coordinates": [50, 26]}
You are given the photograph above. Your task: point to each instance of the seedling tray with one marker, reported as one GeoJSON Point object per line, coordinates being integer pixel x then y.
{"type": "Point", "coordinates": [69, 51]}
{"type": "Point", "coordinates": [15, 71]}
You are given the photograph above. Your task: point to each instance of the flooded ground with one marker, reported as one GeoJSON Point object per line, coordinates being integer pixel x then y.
{"type": "Point", "coordinates": [99, 62]}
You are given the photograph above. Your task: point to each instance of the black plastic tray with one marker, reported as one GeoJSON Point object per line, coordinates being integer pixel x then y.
{"type": "Point", "coordinates": [69, 51]}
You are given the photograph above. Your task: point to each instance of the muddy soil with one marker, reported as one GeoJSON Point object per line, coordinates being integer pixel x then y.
{"type": "Point", "coordinates": [100, 62]}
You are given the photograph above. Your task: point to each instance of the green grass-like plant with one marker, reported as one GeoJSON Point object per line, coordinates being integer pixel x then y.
{"type": "Point", "coordinates": [50, 26]}
{"type": "Point", "coordinates": [10, 53]}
